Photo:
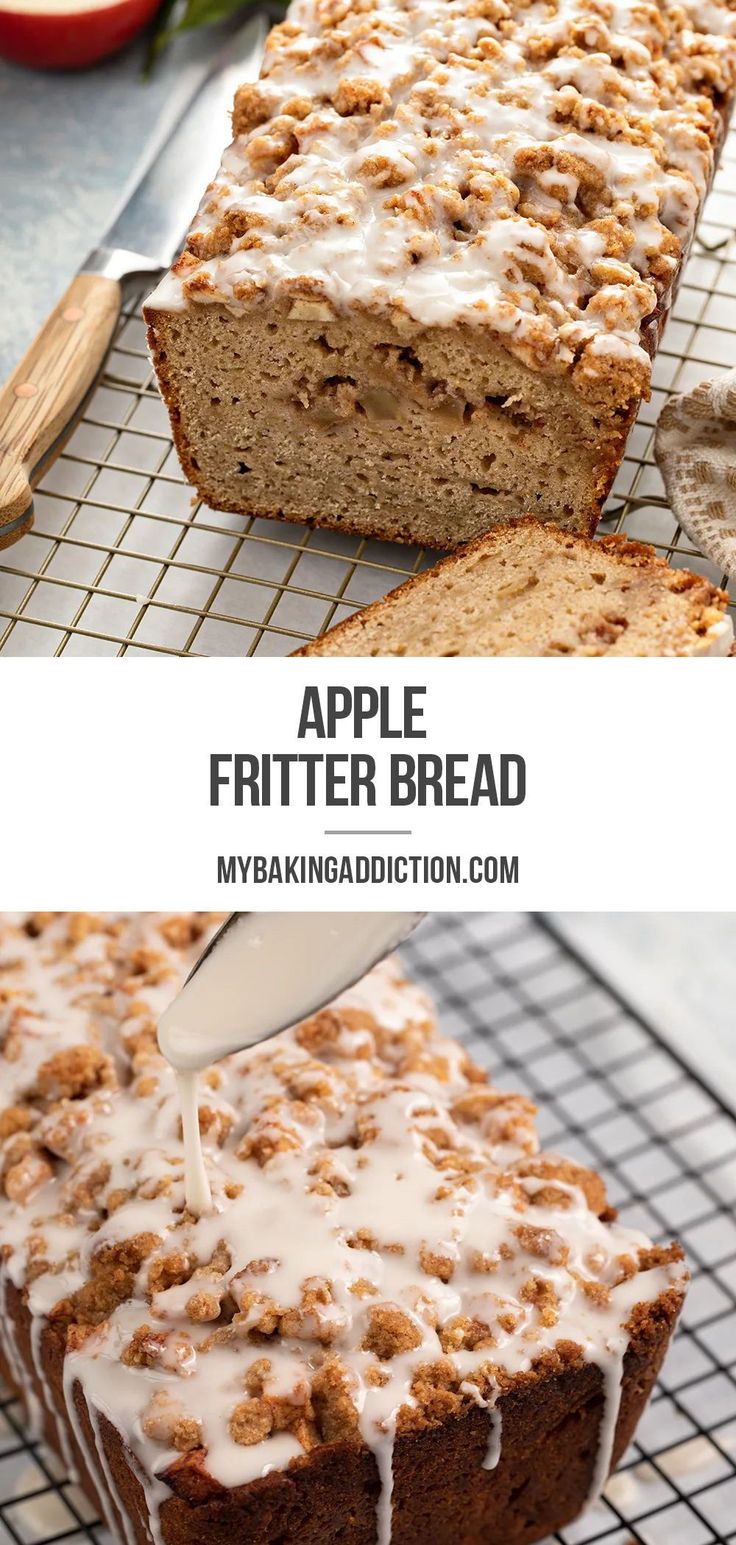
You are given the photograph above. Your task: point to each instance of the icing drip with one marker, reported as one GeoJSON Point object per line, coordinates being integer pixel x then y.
{"type": "Point", "coordinates": [383, 1451]}
{"type": "Point", "coordinates": [37, 1326]}
{"type": "Point", "coordinates": [7, 1343]}
{"type": "Point", "coordinates": [34, 1411]}
{"type": "Point", "coordinates": [94, 1456]}
{"type": "Point", "coordinates": [240, 995]}
{"type": "Point", "coordinates": [493, 1451]}
{"type": "Point", "coordinates": [612, 1370]}
{"type": "Point", "coordinates": [196, 1184]}
{"type": "Point", "coordinates": [119, 1509]}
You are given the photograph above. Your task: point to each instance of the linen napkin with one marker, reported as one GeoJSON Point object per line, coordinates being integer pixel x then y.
{"type": "Point", "coordinates": [695, 447]}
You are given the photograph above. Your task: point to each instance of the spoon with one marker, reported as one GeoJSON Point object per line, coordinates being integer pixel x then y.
{"type": "Point", "coordinates": [261, 973]}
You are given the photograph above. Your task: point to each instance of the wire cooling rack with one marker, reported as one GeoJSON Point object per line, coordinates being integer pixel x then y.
{"type": "Point", "coordinates": [612, 1095]}
{"type": "Point", "coordinates": [121, 560]}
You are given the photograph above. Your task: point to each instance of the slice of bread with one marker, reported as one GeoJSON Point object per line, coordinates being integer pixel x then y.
{"type": "Point", "coordinates": [532, 589]}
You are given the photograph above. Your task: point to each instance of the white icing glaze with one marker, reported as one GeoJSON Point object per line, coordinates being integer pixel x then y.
{"type": "Point", "coordinates": [37, 1326]}
{"type": "Point", "coordinates": [612, 1369]}
{"type": "Point", "coordinates": [376, 1210]}
{"type": "Point", "coordinates": [535, 169]}
{"type": "Point", "coordinates": [7, 1341]}
{"type": "Point", "coordinates": [14, 1363]}
{"type": "Point", "coordinates": [263, 972]}
{"type": "Point", "coordinates": [493, 1451]}
{"type": "Point", "coordinates": [196, 1184]}
{"type": "Point", "coordinates": [383, 1450]}
{"type": "Point", "coordinates": [718, 640]}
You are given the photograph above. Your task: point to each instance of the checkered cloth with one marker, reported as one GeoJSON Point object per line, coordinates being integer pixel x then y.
{"type": "Point", "coordinates": [695, 447]}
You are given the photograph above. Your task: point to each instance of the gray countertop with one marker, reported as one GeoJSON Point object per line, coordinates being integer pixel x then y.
{"type": "Point", "coordinates": [70, 143]}
{"type": "Point", "coordinates": [678, 969]}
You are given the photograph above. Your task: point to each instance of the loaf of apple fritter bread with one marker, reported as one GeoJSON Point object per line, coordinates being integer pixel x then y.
{"type": "Point", "coordinates": [422, 294]}
{"type": "Point", "coordinates": [401, 1321]}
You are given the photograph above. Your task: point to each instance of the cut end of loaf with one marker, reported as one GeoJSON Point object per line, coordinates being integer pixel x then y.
{"type": "Point", "coordinates": [421, 295]}
{"type": "Point", "coordinates": [431, 437]}
{"type": "Point", "coordinates": [531, 589]}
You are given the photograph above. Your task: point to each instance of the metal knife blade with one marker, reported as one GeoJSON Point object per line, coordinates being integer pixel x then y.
{"type": "Point", "coordinates": [149, 227]}
{"type": "Point", "coordinates": [43, 399]}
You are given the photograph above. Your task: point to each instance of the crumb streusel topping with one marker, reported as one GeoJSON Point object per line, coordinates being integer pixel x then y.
{"type": "Point", "coordinates": [388, 1245]}
{"type": "Point", "coordinates": [536, 169]}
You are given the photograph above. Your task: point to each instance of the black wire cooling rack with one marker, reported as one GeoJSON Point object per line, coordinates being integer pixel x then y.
{"type": "Point", "coordinates": [612, 1094]}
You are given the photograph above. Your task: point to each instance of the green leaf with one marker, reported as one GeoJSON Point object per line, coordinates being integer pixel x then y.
{"type": "Point", "coordinates": [200, 13]}
{"type": "Point", "coordinates": [159, 36]}
{"type": "Point", "coordinates": [178, 16]}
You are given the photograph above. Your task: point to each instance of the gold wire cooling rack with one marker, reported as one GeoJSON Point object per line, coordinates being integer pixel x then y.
{"type": "Point", "coordinates": [123, 561]}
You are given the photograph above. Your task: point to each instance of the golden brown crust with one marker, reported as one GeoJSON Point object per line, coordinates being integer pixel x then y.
{"type": "Point", "coordinates": [638, 555]}
{"type": "Point", "coordinates": [549, 1419]}
{"type": "Point", "coordinates": [387, 522]}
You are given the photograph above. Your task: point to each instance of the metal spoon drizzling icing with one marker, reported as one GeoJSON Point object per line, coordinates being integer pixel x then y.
{"type": "Point", "coordinates": [261, 973]}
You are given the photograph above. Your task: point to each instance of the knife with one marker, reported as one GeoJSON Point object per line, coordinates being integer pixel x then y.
{"type": "Point", "coordinates": [41, 402]}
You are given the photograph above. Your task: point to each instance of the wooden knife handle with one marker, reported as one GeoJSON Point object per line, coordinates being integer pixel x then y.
{"type": "Point", "coordinates": [39, 403]}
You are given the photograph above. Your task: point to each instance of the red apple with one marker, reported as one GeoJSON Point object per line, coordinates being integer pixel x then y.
{"type": "Point", "coordinates": [68, 34]}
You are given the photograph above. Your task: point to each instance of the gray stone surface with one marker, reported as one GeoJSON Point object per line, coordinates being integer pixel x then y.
{"type": "Point", "coordinates": [679, 970]}
{"type": "Point", "coordinates": [69, 143]}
